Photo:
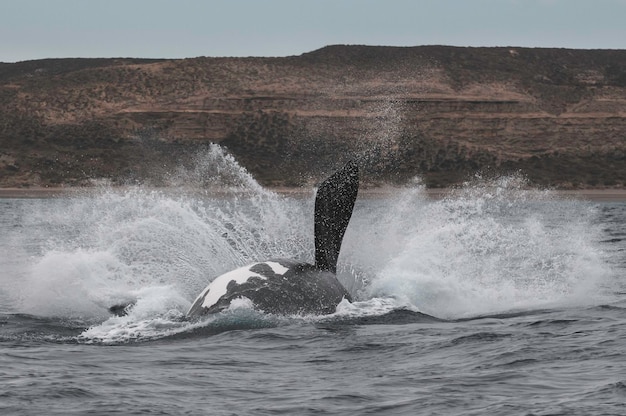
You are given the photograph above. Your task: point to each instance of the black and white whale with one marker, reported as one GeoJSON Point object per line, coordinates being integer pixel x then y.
{"type": "Point", "coordinates": [285, 286]}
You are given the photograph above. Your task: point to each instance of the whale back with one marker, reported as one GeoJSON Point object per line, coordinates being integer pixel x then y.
{"type": "Point", "coordinates": [278, 286]}
{"type": "Point", "coordinates": [333, 208]}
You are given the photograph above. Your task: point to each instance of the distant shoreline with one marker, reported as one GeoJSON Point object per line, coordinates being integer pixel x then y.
{"type": "Point", "coordinates": [606, 195]}
{"type": "Point", "coordinates": [555, 117]}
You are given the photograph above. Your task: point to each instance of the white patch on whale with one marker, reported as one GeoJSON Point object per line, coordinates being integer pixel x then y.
{"type": "Point", "coordinates": [219, 286]}
{"type": "Point", "coordinates": [277, 268]}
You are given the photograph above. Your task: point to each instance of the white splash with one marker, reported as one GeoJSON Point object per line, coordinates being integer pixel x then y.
{"type": "Point", "coordinates": [490, 247]}
{"type": "Point", "coordinates": [493, 247]}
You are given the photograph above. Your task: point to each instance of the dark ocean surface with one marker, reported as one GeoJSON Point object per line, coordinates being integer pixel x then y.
{"type": "Point", "coordinates": [496, 300]}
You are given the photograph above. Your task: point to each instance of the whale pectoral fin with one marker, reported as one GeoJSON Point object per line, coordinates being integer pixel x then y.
{"type": "Point", "coordinates": [333, 208]}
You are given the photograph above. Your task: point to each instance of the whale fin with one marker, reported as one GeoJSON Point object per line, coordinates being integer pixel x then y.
{"type": "Point", "coordinates": [333, 209]}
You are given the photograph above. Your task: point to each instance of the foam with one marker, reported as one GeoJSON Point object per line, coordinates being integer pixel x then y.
{"type": "Point", "coordinates": [491, 246]}
{"type": "Point", "coordinates": [495, 246]}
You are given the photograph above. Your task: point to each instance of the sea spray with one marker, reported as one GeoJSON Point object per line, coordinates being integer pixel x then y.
{"type": "Point", "coordinates": [101, 247]}
{"type": "Point", "coordinates": [378, 230]}
{"type": "Point", "coordinates": [494, 246]}
{"type": "Point", "coordinates": [489, 247]}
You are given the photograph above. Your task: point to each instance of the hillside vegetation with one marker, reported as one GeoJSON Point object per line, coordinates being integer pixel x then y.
{"type": "Point", "coordinates": [440, 113]}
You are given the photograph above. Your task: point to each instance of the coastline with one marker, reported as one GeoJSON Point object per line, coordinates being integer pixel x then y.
{"type": "Point", "coordinates": [601, 195]}
{"type": "Point", "coordinates": [35, 192]}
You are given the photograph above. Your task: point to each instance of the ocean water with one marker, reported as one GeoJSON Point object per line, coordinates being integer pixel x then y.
{"type": "Point", "coordinates": [495, 300]}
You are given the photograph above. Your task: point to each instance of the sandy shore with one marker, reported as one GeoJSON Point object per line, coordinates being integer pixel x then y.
{"type": "Point", "coordinates": [585, 194]}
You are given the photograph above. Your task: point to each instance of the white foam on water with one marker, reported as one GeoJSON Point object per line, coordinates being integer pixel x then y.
{"type": "Point", "coordinates": [371, 307]}
{"type": "Point", "coordinates": [491, 246]}
{"type": "Point", "coordinates": [494, 246]}
{"type": "Point", "coordinates": [113, 246]}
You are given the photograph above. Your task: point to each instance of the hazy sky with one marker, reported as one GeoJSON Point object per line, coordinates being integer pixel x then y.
{"type": "Point", "coordinates": [34, 29]}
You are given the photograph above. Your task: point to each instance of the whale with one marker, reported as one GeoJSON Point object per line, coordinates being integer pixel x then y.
{"type": "Point", "coordinates": [288, 286]}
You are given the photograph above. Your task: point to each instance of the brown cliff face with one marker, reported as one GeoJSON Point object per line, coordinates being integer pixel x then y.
{"type": "Point", "coordinates": [442, 113]}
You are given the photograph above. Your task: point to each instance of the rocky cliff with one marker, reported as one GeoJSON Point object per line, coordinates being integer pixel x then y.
{"type": "Point", "coordinates": [441, 113]}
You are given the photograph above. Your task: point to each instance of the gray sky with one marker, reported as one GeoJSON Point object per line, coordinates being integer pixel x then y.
{"type": "Point", "coordinates": [34, 29]}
